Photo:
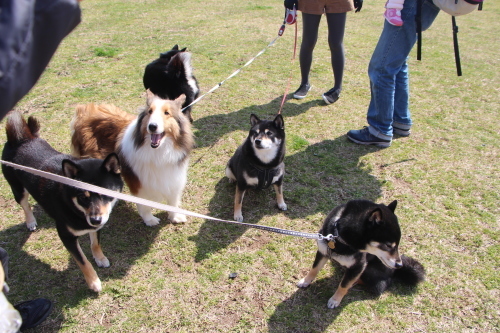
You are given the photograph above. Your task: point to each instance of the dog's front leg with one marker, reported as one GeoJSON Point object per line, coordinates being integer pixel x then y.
{"type": "Point", "coordinates": [278, 188]}
{"type": "Point", "coordinates": [318, 264]}
{"type": "Point", "coordinates": [72, 245]}
{"type": "Point", "coordinates": [351, 275]}
{"type": "Point", "coordinates": [95, 246]}
{"type": "Point", "coordinates": [238, 202]}
{"type": "Point", "coordinates": [28, 213]}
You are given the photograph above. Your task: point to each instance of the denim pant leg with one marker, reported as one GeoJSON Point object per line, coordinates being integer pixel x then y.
{"type": "Point", "coordinates": [388, 70]}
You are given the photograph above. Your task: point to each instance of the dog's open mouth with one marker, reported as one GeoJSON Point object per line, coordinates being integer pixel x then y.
{"type": "Point", "coordinates": [156, 139]}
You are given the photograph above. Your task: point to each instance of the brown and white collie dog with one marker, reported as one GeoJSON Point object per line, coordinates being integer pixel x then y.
{"type": "Point", "coordinates": [153, 147]}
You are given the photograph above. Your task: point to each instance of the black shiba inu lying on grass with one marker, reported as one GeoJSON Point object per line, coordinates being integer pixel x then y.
{"type": "Point", "coordinates": [366, 242]}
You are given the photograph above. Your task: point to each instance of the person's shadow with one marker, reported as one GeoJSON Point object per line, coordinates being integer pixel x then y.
{"type": "Point", "coordinates": [209, 129]}
{"type": "Point", "coordinates": [124, 240]}
{"type": "Point", "coordinates": [317, 179]}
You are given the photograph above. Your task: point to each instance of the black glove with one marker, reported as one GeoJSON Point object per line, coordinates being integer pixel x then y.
{"type": "Point", "coordinates": [358, 4]}
{"type": "Point", "coordinates": [289, 4]}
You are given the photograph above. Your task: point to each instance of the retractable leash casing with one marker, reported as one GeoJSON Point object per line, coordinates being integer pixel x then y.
{"type": "Point", "coordinates": [290, 18]}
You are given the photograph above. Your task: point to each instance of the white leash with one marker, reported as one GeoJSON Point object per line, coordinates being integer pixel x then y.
{"type": "Point", "coordinates": [157, 205]}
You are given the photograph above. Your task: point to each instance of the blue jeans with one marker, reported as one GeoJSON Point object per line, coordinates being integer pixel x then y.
{"type": "Point", "coordinates": [388, 71]}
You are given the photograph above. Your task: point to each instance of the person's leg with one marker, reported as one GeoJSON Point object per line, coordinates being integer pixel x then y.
{"type": "Point", "coordinates": [388, 72]}
{"type": "Point", "coordinates": [336, 28]}
{"type": "Point", "coordinates": [310, 26]}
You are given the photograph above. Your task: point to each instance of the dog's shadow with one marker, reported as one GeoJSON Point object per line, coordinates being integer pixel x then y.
{"type": "Point", "coordinates": [123, 241]}
{"type": "Point", "coordinates": [306, 309]}
{"type": "Point", "coordinates": [316, 180]}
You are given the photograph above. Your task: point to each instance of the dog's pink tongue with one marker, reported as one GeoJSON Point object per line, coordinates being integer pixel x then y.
{"type": "Point", "coordinates": [155, 139]}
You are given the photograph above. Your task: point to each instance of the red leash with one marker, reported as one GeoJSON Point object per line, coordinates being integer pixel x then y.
{"type": "Point", "coordinates": [293, 61]}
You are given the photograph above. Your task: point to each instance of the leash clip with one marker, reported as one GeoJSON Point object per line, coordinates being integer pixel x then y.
{"type": "Point", "coordinates": [328, 237]}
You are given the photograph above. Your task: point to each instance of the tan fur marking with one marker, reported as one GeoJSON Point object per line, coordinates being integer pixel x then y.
{"type": "Point", "coordinates": [88, 271]}
{"type": "Point", "coordinates": [96, 129]}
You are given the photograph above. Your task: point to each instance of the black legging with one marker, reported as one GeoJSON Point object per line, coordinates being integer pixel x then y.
{"type": "Point", "coordinates": [336, 27]}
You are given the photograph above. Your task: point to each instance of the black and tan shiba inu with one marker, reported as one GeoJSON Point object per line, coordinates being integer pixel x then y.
{"type": "Point", "coordinates": [76, 212]}
{"type": "Point", "coordinates": [258, 162]}
{"type": "Point", "coordinates": [366, 242]}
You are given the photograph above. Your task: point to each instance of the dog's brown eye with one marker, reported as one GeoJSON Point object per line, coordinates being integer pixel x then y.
{"type": "Point", "coordinates": [150, 111]}
{"type": "Point", "coordinates": [166, 113]}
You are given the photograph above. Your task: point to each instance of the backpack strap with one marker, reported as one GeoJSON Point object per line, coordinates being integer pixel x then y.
{"type": "Point", "coordinates": [418, 19]}
{"type": "Point", "coordinates": [455, 45]}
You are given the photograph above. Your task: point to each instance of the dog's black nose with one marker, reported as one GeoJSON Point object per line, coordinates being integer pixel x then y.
{"type": "Point", "coordinates": [257, 142]}
{"type": "Point", "coordinates": [398, 264]}
{"type": "Point", "coordinates": [96, 220]}
{"type": "Point", "coordinates": [152, 127]}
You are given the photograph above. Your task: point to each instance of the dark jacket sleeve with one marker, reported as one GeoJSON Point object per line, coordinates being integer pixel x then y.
{"type": "Point", "coordinates": [30, 32]}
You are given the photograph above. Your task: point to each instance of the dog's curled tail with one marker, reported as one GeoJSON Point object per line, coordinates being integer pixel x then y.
{"type": "Point", "coordinates": [18, 130]}
{"type": "Point", "coordinates": [412, 272]}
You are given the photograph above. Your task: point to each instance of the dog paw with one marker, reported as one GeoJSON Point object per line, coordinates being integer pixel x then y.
{"type": "Point", "coordinates": [282, 206]}
{"type": "Point", "coordinates": [96, 285]}
{"type": "Point", "coordinates": [31, 225]}
{"type": "Point", "coordinates": [102, 262]}
{"type": "Point", "coordinates": [238, 217]}
{"type": "Point", "coordinates": [178, 218]}
{"type": "Point", "coordinates": [303, 283]}
{"type": "Point", "coordinates": [333, 303]}
{"type": "Point", "coordinates": [152, 221]}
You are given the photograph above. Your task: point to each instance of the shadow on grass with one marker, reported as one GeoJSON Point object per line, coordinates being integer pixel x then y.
{"type": "Point", "coordinates": [317, 179]}
{"type": "Point", "coordinates": [211, 128]}
{"type": "Point", "coordinates": [306, 310]}
{"type": "Point", "coordinates": [122, 243]}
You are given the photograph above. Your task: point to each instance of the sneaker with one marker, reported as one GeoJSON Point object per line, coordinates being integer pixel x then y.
{"type": "Point", "coordinates": [34, 312]}
{"type": "Point", "coordinates": [393, 16]}
{"type": "Point", "coordinates": [400, 131]}
{"type": "Point", "coordinates": [302, 91]}
{"type": "Point", "coordinates": [364, 137]}
{"type": "Point", "coordinates": [331, 96]}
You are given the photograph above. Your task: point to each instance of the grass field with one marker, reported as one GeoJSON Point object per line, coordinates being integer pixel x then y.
{"type": "Point", "coordinates": [175, 278]}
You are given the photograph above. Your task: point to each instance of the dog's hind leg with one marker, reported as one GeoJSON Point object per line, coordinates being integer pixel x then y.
{"type": "Point", "coordinates": [28, 213]}
{"type": "Point", "coordinates": [238, 203]}
{"type": "Point", "coordinates": [95, 246]}
{"type": "Point", "coordinates": [318, 264]}
{"type": "Point", "coordinates": [71, 243]}
{"type": "Point", "coordinates": [351, 276]}
{"type": "Point", "coordinates": [279, 196]}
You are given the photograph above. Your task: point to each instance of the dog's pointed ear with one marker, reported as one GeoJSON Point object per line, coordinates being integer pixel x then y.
{"type": "Point", "coordinates": [183, 50]}
{"type": "Point", "coordinates": [149, 97]}
{"type": "Point", "coordinates": [279, 122]}
{"type": "Point", "coordinates": [176, 47]}
{"type": "Point", "coordinates": [254, 120]}
{"type": "Point", "coordinates": [375, 216]}
{"type": "Point", "coordinates": [70, 169]}
{"type": "Point", "coordinates": [112, 164]}
{"type": "Point", "coordinates": [180, 100]}
{"type": "Point", "coordinates": [392, 205]}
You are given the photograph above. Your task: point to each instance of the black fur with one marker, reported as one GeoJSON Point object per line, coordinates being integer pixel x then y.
{"type": "Point", "coordinates": [24, 147]}
{"type": "Point", "coordinates": [358, 225]}
{"type": "Point", "coordinates": [167, 78]}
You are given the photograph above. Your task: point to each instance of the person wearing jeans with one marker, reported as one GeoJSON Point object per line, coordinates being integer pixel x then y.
{"type": "Point", "coordinates": [388, 112]}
